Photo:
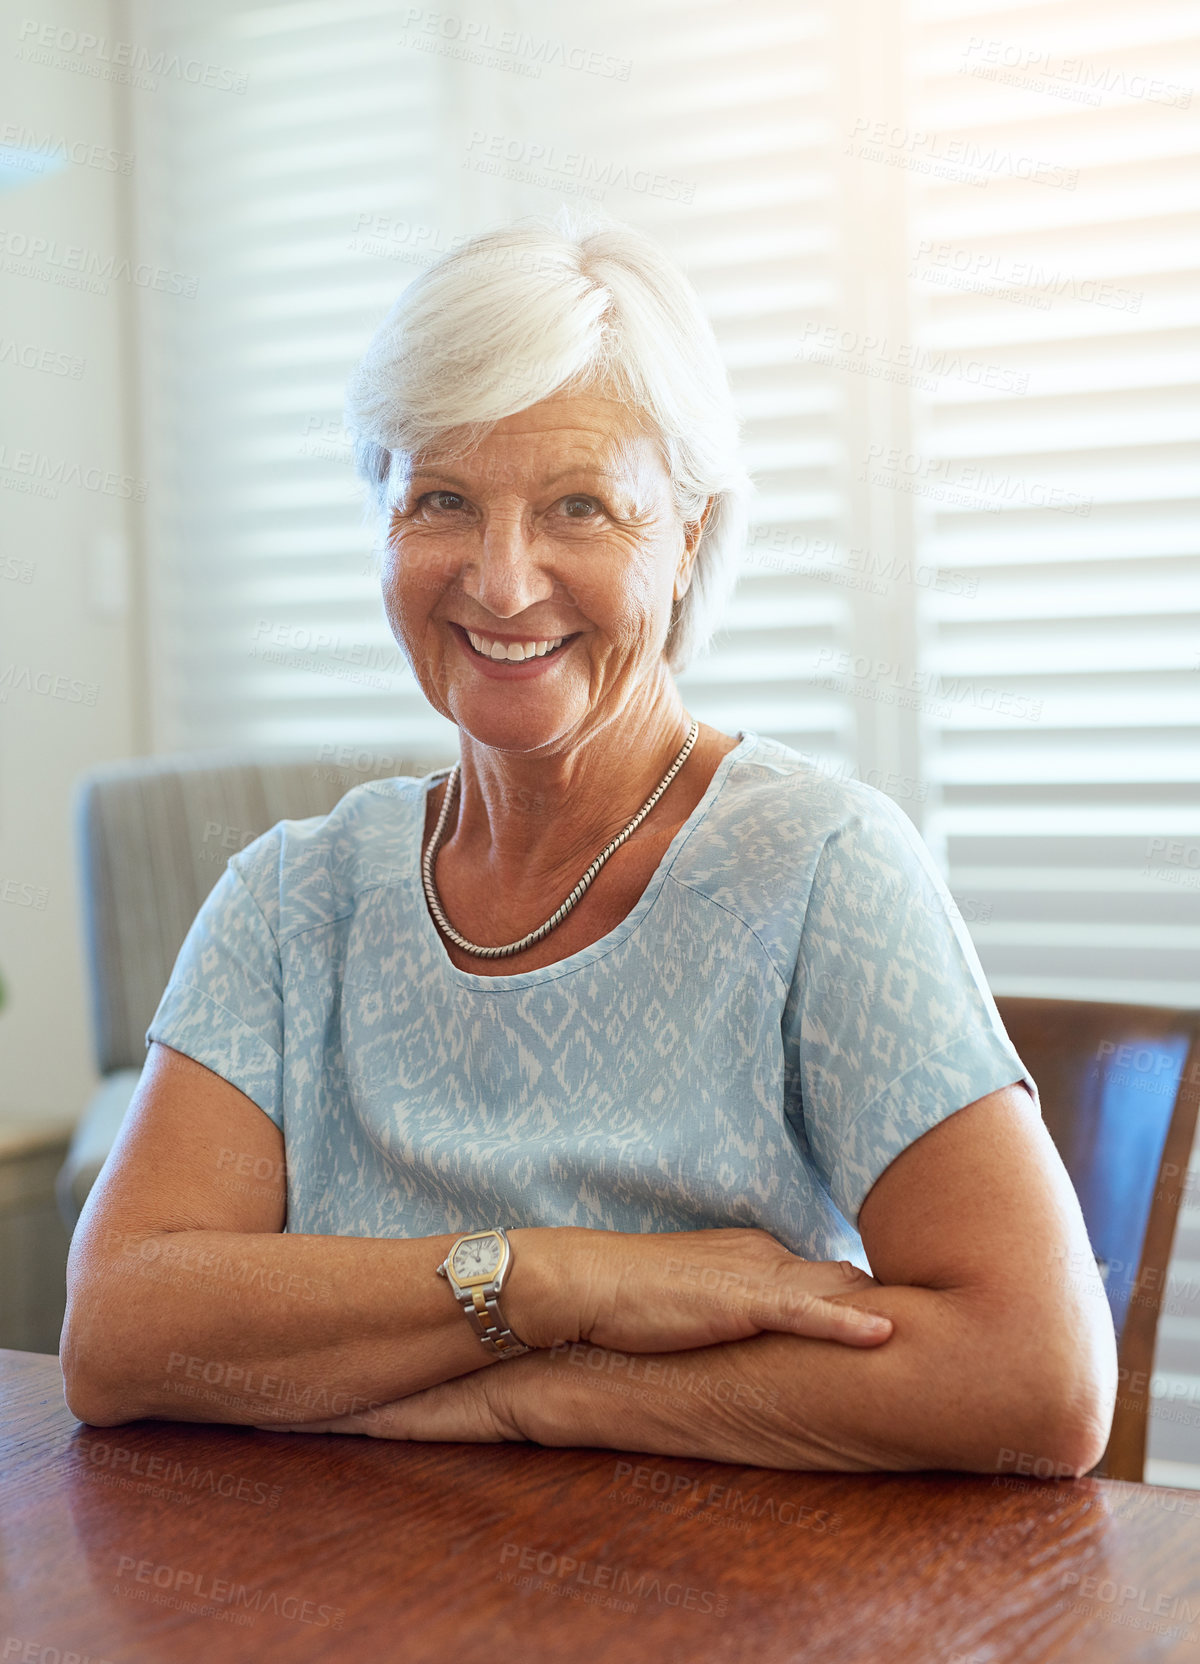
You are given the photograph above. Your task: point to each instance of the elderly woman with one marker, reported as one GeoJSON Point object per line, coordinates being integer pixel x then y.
{"type": "Point", "coordinates": [666, 1050]}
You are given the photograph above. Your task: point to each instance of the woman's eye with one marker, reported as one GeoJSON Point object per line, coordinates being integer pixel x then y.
{"type": "Point", "coordinates": [443, 500]}
{"type": "Point", "coordinates": [580, 508]}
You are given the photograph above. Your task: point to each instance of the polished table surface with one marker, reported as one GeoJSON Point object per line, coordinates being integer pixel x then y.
{"type": "Point", "coordinates": [169, 1542]}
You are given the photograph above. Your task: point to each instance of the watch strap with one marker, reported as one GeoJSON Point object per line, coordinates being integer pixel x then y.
{"type": "Point", "coordinates": [484, 1315]}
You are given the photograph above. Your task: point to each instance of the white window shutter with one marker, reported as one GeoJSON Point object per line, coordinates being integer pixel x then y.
{"type": "Point", "coordinates": [1058, 466]}
{"type": "Point", "coordinates": [960, 314]}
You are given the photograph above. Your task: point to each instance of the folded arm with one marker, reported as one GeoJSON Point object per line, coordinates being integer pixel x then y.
{"type": "Point", "coordinates": [188, 1300]}
{"type": "Point", "coordinates": [996, 1348]}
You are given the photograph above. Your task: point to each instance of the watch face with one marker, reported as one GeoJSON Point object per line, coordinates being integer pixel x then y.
{"type": "Point", "coordinates": [477, 1257]}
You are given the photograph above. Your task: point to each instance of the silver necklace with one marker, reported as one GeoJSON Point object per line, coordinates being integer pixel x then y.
{"type": "Point", "coordinates": [435, 843]}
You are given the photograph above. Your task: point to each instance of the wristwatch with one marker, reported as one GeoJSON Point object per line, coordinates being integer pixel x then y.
{"type": "Point", "coordinates": [475, 1268]}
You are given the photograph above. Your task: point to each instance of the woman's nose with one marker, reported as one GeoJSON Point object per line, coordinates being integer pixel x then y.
{"type": "Point", "coordinates": [505, 574]}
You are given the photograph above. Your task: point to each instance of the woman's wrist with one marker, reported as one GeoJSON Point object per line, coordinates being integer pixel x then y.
{"type": "Point", "coordinates": [540, 1300]}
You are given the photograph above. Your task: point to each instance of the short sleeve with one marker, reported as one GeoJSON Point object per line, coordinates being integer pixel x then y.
{"type": "Point", "coordinates": [223, 1005]}
{"type": "Point", "coordinates": [889, 1025]}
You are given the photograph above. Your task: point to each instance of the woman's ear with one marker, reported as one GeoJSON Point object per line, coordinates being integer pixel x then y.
{"type": "Point", "coordinates": [693, 530]}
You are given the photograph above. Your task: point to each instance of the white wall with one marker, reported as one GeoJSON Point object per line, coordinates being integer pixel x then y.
{"type": "Point", "coordinates": [69, 655]}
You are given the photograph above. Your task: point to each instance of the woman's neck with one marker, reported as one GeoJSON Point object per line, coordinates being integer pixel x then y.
{"type": "Point", "coordinates": [532, 820]}
{"type": "Point", "coordinates": [498, 894]}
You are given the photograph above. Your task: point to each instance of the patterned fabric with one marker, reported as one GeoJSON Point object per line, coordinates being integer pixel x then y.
{"type": "Point", "coordinates": [793, 1000]}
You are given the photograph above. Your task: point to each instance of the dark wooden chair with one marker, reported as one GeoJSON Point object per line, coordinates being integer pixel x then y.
{"type": "Point", "coordinates": [1120, 1088]}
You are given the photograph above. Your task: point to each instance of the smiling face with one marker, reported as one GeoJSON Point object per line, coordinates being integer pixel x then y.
{"type": "Point", "coordinates": [560, 527]}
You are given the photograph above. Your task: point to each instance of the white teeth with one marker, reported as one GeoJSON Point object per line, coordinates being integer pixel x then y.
{"type": "Point", "coordinates": [514, 651]}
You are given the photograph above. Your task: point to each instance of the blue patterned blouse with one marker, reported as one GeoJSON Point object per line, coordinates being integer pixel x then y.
{"type": "Point", "coordinates": [793, 1000]}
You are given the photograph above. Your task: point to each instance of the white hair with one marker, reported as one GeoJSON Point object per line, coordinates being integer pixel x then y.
{"type": "Point", "coordinates": [545, 306]}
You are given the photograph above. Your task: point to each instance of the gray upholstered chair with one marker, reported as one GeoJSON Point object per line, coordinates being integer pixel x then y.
{"type": "Point", "coordinates": [153, 836]}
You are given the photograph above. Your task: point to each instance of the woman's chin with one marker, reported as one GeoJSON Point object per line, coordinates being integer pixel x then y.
{"type": "Point", "coordinates": [513, 725]}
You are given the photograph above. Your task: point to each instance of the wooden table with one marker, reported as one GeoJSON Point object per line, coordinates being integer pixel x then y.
{"type": "Point", "coordinates": [169, 1542]}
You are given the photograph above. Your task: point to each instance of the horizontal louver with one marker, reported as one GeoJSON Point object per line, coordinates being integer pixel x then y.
{"type": "Point", "coordinates": [1057, 467]}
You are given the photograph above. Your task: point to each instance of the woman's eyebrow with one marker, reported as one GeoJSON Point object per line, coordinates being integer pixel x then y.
{"type": "Point", "coordinates": [430, 470]}
{"type": "Point", "coordinates": [576, 470]}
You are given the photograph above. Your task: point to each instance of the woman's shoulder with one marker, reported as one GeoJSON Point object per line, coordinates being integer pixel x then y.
{"type": "Point", "coordinates": [784, 824]}
{"type": "Point", "coordinates": [311, 871]}
{"type": "Point", "coordinates": [801, 798]}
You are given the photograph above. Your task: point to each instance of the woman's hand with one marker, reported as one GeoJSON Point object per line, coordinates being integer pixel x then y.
{"type": "Point", "coordinates": [473, 1409]}
{"type": "Point", "coordinates": [670, 1291]}
{"type": "Point", "coordinates": [624, 1292]}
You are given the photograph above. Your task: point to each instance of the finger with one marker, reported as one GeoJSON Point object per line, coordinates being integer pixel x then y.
{"type": "Point", "coordinates": [821, 1319]}
{"type": "Point", "coordinates": [441, 1420]}
{"type": "Point", "coordinates": [835, 1277]}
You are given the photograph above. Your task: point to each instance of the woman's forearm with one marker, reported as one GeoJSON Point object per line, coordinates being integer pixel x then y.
{"type": "Point", "coordinates": [954, 1387]}
{"type": "Point", "coordinates": [262, 1327]}
{"type": "Point", "coordinates": [254, 1327]}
